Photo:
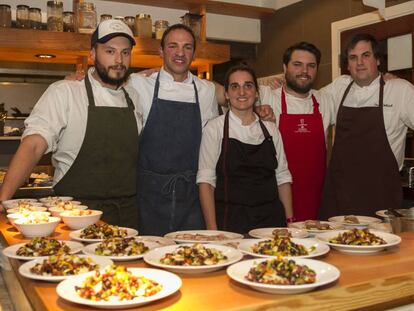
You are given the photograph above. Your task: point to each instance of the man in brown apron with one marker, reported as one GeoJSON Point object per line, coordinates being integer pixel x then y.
{"type": "Point", "coordinates": [363, 175]}
{"type": "Point", "coordinates": [103, 172]}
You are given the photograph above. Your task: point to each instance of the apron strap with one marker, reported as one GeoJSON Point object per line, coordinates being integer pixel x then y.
{"type": "Point", "coordinates": [224, 165]}
{"type": "Point", "coordinates": [89, 91]}
{"type": "Point", "coordinates": [283, 98]}
{"type": "Point", "coordinates": [267, 136]}
{"type": "Point", "coordinates": [315, 105]}
{"type": "Point", "coordinates": [157, 86]}
{"type": "Point", "coordinates": [381, 93]}
{"type": "Point", "coordinates": [128, 99]}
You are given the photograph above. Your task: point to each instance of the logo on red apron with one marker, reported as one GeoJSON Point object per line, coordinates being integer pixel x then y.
{"type": "Point", "coordinates": [302, 127]}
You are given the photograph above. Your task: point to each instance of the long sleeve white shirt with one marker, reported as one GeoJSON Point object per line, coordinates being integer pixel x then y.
{"type": "Point", "coordinates": [398, 106]}
{"type": "Point", "coordinates": [178, 91]}
{"type": "Point", "coordinates": [249, 134]}
{"type": "Point", "coordinates": [60, 117]}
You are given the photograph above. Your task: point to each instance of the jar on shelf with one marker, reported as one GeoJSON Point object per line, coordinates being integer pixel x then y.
{"type": "Point", "coordinates": [55, 15]}
{"type": "Point", "coordinates": [68, 21]}
{"type": "Point", "coordinates": [120, 18]}
{"type": "Point", "coordinates": [143, 26]}
{"type": "Point", "coordinates": [130, 21]}
{"type": "Point", "coordinates": [160, 27]}
{"type": "Point", "coordinates": [35, 18]}
{"type": "Point", "coordinates": [105, 17]}
{"type": "Point", "coordinates": [86, 17]}
{"type": "Point", "coordinates": [22, 16]}
{"type": "Point", "coordinates": [194, 22]}
{"type": "Point", "coordinates": [5, 16]}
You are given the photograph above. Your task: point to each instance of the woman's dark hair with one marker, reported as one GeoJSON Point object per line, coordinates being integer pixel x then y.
{"type": "Point", "coordinates": [302, 46]}
{"type": "Point", "coordinates": [175, 27]}
{"type": "Point", "coordinates": [240, 67]}
{"type": "Point", "coordinates": [355, 40]}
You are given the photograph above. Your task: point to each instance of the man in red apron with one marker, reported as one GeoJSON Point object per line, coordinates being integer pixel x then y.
{"type": "Point", "coordinates": [363, 174]}
{"type": "Point", "coordinates": [302, 129]}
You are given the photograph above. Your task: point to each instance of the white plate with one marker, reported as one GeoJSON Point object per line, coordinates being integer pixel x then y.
{"type": "Point", "coordinates": [10, 203]}
{"type": "Point", "coordinates": [90, 250]}
{"type": "Point", "coordinates": [363, 221]}
{"type": "Point", "coordinates": [48, 199]}
{"type": "Point", "coordinates": [325, 274]}
{"type": "Point", "coordinates": [264, 233]}
{"type": "Point", "coordinates": [228, 235]}
{"type": "Point", "coordinates": [10, 251]}
{"type": "Point", "coordinates": [75, 235]}
{"type": "Point", "coordinates": [301, 225]}
{"type": "Point", "coordinates": [321, 248]}
{"type": "Point", "coordinates": [156, 239]}
{"type": "Point", "coordinates": [25, 269]}
{"type": "Point", "coordinates": [382, 213]}
{"type": "Point", "coordinates": [390, 238]}
{"type": "Point", "coordinates": [153, 258]}
{"type": "Point", "coordinates": [169, 281]}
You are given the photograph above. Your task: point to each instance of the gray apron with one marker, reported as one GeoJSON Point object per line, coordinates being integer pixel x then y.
{"type": "Point", "coordinates": [167, 167]}
{"type": "Point", "coordinates": [103, 175]}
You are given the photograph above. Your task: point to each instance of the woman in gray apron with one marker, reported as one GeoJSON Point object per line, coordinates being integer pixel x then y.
{"type": "Point", "coordinates": [167, 167]}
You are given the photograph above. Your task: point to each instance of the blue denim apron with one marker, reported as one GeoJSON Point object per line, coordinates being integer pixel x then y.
{"type": "Point", "coordinates": [167, 167]}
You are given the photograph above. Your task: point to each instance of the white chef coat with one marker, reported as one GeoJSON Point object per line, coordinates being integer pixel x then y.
{"type": "Point", "coordinates": [60, 117]}
{"type": "Point", "coordinates": [297, 105]}
{"type": "Point", "coordinates": [178, 91]}
{"type": "Point", "coordinates": [398, 106]}
{"type": "Point", "coordinates": [249, 134]}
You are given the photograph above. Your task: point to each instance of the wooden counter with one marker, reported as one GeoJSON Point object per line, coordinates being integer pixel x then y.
{"type": "Point", "coordinates": [367, 282]}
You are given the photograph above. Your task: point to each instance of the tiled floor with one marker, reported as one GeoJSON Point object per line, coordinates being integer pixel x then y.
{"type": "Point", "coordinates": [5, 302]}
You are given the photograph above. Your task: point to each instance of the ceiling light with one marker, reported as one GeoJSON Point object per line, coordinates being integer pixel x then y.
{"type": "Point", "coordinates": [45, 56]}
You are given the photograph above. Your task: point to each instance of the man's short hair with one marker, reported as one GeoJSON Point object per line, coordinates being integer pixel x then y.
{"type": "Point", "coordinates": [175, 27]}
{"type": "Point", "coordinates": [302, 46]}
{"type": "Point", "coordinates": [355, 40]}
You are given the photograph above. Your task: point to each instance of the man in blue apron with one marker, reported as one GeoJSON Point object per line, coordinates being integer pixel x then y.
{"type": "Point", "coordinates": [92, 127]}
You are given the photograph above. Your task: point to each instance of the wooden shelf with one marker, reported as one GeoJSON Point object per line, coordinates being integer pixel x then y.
{"type": "Point", "coordinates": [210, 6]}
{"type": "Point", "coordinates": [10, 138]}
{"type": "Point", "coordinates": [22, 45]}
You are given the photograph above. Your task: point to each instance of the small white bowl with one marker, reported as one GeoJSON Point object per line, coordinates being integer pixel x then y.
{"type": "Point", "coordinates": [80, 222]}
{"type": "Point", "coordinates": [12, 203]}
{"type": "Point", "coordinates": [13, 217]}
{"type": "Point", "coordinates": [57, 210]}
{"type": "Point", "coordinates": [52, 199]}
{"type": "Point", "coordinates": [34, 209]}
{"type": "Point", "coordinates": [37, 230]}
{"type": "Point", "coordinates": [74, 204]}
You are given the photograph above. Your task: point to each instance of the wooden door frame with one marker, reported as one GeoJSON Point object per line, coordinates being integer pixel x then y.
{"type": "Point", "coordinates": [338, 27]}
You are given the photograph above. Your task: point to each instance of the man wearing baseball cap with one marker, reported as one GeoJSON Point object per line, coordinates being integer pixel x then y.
{"type": "Point", "coordinates": [91, 127]}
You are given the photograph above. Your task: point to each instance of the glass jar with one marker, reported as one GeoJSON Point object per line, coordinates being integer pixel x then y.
{"type": "Point", "coordinates": [160, 27]}
{"type": "Point", "coordinates": [105, 17]}
{"type": "Point", "coordinates": [194, 22]}
{"type": "Point", "coordinates": [68, 22]}
{"type": "Point", "coordinates": [22, 16]}
{"type": "Point", "coordinates": [143, 26]}
{"type": "Point", "coordinates": [5, 16]}
{"type": "Point", "coordinates": [35, 18]}
{"type": "Point", "coordinates": [55, 15]}
{"type": "Point", "coordinates": [86, 17]}
{"type": "Point", "coordinates": [119, 18]}
{"type": "Point", "coordinates": [130, 21]}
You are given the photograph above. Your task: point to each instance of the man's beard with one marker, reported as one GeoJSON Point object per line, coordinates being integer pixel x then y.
{"type": "Point", "coordinates": [103, 74]}
{"type": "Point", "coordinates": [301, 89]}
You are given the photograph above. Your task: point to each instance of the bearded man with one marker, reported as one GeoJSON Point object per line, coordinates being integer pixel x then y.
{"type": "Point", "coordinates": [303, 116]}
{"type": "Point", "coordinates": [92, 129]}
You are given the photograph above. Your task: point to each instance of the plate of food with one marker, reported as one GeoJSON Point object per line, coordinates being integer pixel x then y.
{"type": "Point", "coordinates": [99, 232]}
{"type": "Point", "coordinates": [284, 247]}
{"type": "Point", "coordinates": [316, 226]}
{"type": "Point", "coordinates": [41, 247]}
{"type": "Point", "coordinates": [193, 258]}
{"type": "Point", "coordinates": [134, 287]}
{"type": "Point", "coordinates": [264, 233]}
{"type": "Point", "coordinates": [283, 275]}
{"type": "Point", "coordinates": [155, 239]}
{"type": "Point", "coordinates": [120, 249]}
{"type": "Point", "coordinates": [359, 241]}
{"type": "Point", "coordinates": [202, 236]}
{"type": "Point", "coordinates": [57, 268]}
{"type": "Point", "coordinates": [354, 221]}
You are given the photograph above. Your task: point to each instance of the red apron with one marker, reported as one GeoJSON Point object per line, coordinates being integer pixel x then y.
{"type": "Point", "coordinates": [304, 142]}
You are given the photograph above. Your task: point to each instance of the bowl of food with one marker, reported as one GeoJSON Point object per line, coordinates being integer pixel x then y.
{"type": "Point", "coordinates": [20, 210]}
{"type": "Point", "coordinates": [37, 226]}
{"type": "Point", "coordinates": [77, 219]}
{"type": "Point", "coordinates": [16, 202]}
{"type": "Point", "coordinates": [57, 210]}
{"type": "Point", "coordinates": [13, 217]}
{"type": "Point", "coordinates": [67, 205]}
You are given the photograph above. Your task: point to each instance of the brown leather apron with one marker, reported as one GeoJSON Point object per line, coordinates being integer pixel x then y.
{"type": "Point", "coordinates": [103, 175]}
{"type": "Point", "coordinates": [363, 175]}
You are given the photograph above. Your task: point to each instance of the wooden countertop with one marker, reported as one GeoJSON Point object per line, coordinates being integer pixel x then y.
{"type": "Point", "coordinates": [367, 282]}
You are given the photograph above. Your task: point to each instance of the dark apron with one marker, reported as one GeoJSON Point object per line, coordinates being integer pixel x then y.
{"type": "Point", "coordinates": [363, 173]}
{"type": "Point", "coordinates": [167, 167]}
{"type": "Point", "coordinates": [103, 175]}
{"type": "Point", "coordinates": [246, 193]}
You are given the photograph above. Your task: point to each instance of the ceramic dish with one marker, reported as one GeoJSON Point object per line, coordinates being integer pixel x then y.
{"type": "Point", "coordinates": [54, 199]}
{"type": "Point", "coordinates": [155, 239]}
{"type": "Point", "coordinates": [325, 274]}
{"type": "Point", "coordinates": [301, 225]}
{"type": "Point", "coordinates": [57, 210]}
{"type": "Point", "coordinates": [32, 209]}
{"type": "Point", "coordinates": [363, 221]}
{"type": "Point", "coordinates": [79, 222]}
{"type": "Point", "coordinates": [202, 236]}
{"type": "Point", "coordinates": [75, 235]}
{"type": "Point", "coordinates": [11, 203]}
{"type": "Point", "coordinates": [264, 233]}
{"type": "Point", "coordinates": [37, 229]}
